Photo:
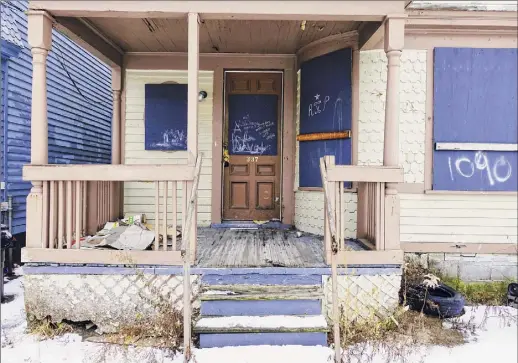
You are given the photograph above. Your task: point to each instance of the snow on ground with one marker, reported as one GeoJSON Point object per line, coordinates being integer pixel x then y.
{"type": "Point", "coordinates": [272, 322]}
{"type": "Point", "coordinates": [497, 338]}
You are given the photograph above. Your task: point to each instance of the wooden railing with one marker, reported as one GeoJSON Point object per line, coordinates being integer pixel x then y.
{"type": "Point", "coordinates": [371, 212]}
{"type": "Point", "coordinates": [371, 182]}
{"type": "Point", "coordinates": [78, 200]}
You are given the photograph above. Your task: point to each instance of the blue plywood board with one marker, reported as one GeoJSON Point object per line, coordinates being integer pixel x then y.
{"type": "Point", "coordinates": [245, 339]}
{"type": "Point", "coordinates": [325, 106]}
{"type": "Point", "coordinates": [79, 110]}
{"type": "Point", "coordinates": [166, 117]}
{"type": "Point", "coordinates": [260, 307]}
{"type": "Point", "coordinates": [253, 124]}
{"type": "Point", "coordinates": [475, 170]}
{"type": "Point", "coordinates": [475, 101]}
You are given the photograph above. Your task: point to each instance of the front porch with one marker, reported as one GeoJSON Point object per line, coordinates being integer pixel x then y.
{"type": "Point", "coordinates": [188, 154]}
{"type": "Point", "coordinates": [69, 202]}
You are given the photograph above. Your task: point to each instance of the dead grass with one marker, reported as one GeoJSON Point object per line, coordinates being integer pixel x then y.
{"type": "Point", "coordinates": [491, 293]}
{"type": "Point", "coordinates": [46, 329]}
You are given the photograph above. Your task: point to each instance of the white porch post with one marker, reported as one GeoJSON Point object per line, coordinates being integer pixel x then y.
{"type": "Point", "coordinates": [40, 41]}
{"type": "Point", "coordinates": [116, 116]}
{"type": "Point", "coordinates": [115, 192]}
{"type": "Point", "coordinates": [394, 41]}
{"type": "Point", "coordinates": [192, 151]}
{"type": "Point", "coordinates": [192, 111]}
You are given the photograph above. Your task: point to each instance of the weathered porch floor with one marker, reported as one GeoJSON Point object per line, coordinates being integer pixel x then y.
{"type": "Point", "coordinates": [225, 247]}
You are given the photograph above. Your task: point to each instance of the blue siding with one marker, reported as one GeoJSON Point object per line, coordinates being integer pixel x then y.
{"type": "Point", "coordinates": [475, 101]}
{"type": "Point", "coordinates": [2, 128]}
{"type": "Point", "coordinates": [79, 111]}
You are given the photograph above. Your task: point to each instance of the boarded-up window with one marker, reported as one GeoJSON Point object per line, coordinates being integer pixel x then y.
{"type": "Point", "coordinates": [325, 106]}
{"type": "Point", "coordinates": [475, 125]}
{"type": "Point", "coordinates": [166, 117]}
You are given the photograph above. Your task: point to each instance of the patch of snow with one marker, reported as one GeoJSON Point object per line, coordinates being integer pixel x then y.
{"type": "Point", "coordinates": [270, 322]}
{"type": "Point", "coordinates": [218, 292]}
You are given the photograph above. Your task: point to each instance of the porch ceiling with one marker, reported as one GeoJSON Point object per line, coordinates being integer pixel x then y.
{"type": "Point", "coordinates": [217, 36]}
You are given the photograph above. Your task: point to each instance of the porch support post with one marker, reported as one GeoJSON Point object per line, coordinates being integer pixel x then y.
{"type": "Point", "coordinates": [116, 139]}
{"type": "Point", "coordinates": [116, 116]}
{"type": "Point", "coordinates": [394, 41]}
{"type": "Point", "coordinates": [40, 41]}
{"type": "Point", "coordinates": [192, 151]}
{"type": "Point", "coordinates": [193, 61]}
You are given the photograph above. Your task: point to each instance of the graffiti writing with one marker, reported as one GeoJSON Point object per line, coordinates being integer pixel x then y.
{"type": "Point", "coordinates": [499, 171]}
{"type": "Point", "coordinates": [318, 105]}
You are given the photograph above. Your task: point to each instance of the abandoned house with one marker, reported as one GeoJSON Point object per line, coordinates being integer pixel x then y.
{"type": "Point", "coordinates": [231, 120]}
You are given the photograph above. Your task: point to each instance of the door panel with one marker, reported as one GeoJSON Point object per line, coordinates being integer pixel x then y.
{"type": "Point", "coordinates": [253, 136]}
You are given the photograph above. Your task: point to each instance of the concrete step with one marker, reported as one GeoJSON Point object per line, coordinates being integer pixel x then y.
{"type": "Point", "coordinates": [261, 330]}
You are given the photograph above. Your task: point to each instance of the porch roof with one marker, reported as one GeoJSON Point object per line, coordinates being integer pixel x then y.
{"type": "Point", "coordinates": [109, 29]}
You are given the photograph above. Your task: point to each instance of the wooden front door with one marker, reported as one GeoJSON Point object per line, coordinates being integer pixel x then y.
{"type": "Point", "coordinates": [252, 134]}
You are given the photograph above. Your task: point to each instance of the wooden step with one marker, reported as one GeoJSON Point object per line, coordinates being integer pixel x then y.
{"type": "Point", "coordinates": [260, 307]}
{"type": "Point", "coordinates": [261, 292]}
{"type": "Point", "coordinates": [262, 324]}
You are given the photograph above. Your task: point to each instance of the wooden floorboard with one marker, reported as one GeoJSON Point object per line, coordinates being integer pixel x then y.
{"type": "Point", "coordinates": [219, 247]}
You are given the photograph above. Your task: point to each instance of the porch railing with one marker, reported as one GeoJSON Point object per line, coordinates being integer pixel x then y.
{"type": "Point", "coordinates": [371, 214]}
{"type": "Point", "coordinates": [371, 182]}
{"type": "Point", "coordinates": [78, 200]}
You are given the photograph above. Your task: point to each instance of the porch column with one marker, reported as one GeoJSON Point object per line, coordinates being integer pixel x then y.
{"type": "Point", "coordinates": [40, 40]}
{"type": "Point", "coordinates": [115, 192]}
{"type": "Point", "coordinates": [116, 116]}
{"type": "Point", "coordinates": [394, 40]}
{"type": "Point", "coordinates": [192, 151]}
{"type": "Point", "coordinates": [192, 111]}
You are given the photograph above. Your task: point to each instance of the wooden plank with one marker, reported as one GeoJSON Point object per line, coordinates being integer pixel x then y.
{"type": "Point", "coordinates": [108, 172]}
{"type": "Point", "coordinates": [457, 213]}
{"type": "Point", "coordinates": [460, 239]}
{"type": "Point", "coordinates": [388, 257]}
{"type": "Point", "coordinates": [441, 247]}
{"type": "Point", "coordinates": [376, 174]}
{"type": "Point", "coordinates": [294, 295]}
{"type": "Point", "coordinates": [460, 220]}
{"type": "Point", "coordinates": [472, 146]}
{"type": "Point", "coordinates": [101, 256]}
{"type": "Point", "coordinates": [459, 230]}
{"type": "Point", "coordinates": [243, 10]}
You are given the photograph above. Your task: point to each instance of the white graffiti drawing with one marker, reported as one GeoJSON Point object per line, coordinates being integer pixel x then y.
{"type": "Point", "coordinates": [317, 106]}
{"type": "Point", "coordinates": [243, 142]}
{"type": "Point", "coordinates": [172, 139]}
{"type": "Point", "coordinates": [499, 172]}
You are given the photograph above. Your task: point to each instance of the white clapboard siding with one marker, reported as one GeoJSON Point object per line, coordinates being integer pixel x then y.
{"type": "Point", "coordinates": [459, 218]}
{"type": "Point", "coordinates": [140, 197]}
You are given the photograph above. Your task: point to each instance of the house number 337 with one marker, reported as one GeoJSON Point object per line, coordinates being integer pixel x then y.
{"type": "Point", "coordinates": [252, 159]}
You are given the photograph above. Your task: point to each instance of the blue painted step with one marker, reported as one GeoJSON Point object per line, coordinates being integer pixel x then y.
{"type": "Point", "coordinates": [217, 340]}
{"type": "Point", "coordinates": [260, 279]}
{"type": "Point", "coordinates": [260, 307]}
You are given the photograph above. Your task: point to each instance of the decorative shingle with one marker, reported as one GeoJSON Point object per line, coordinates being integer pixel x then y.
{"type": "Point", "coordinates": [9, 28]}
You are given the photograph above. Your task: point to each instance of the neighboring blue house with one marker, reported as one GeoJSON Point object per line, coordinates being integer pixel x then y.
{"type": "Point", "coordinates": [79, 106]}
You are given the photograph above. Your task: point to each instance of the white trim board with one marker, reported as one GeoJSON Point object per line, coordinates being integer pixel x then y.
{"type": "Point", "coordinates": [475, 146]}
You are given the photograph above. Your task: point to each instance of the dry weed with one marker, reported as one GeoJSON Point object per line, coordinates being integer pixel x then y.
{"type": "Point", "coordinates": [46, 329]}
